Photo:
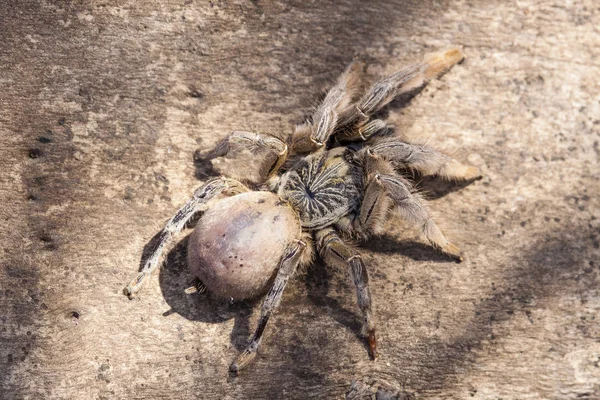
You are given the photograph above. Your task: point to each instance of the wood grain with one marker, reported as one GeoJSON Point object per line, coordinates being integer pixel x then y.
{"type": "Point", "coordinates": [103, 103]}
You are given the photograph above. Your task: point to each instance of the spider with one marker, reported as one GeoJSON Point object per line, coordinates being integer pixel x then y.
{"type": "Point", "coordinates": [333, 181]}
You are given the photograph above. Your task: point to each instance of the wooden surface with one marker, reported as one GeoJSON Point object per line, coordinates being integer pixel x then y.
{"type": "Point", "coordinates": [103, 103]}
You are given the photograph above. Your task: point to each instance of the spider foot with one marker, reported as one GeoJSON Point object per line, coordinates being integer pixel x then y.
{"type": "Point", "coordinates": [242, 361]}
{"type": "Point", "coordinates": [440, 62]}
{"type": "Point", "coordinates": [453, 251]}
{"type": "Point", "coordinates": [472, 173]}
{"type": "Point", "coordinates": [372, 341]}
{"type": "Point", "coordinates": [135, 285]}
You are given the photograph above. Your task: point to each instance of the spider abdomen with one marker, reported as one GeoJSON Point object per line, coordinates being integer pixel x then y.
{"type": "Point", "coordinates": [238, 243]}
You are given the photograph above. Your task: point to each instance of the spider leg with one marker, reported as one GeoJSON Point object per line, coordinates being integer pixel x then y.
{"type": "Point", "coordinates": [410, 207]}
{"type": "Point", "coordinates": [287, 267]}
{"type": "Point", "coordinates": [309, 136]}
{"type": "Point", "coordinates": [250, 139]}
{"type": "Point", "coordinates": [336, 252]}
{"type": "Point", "coordinates": [407, 79]}
{"type": "Point", "coordinates": [424, 159]}
{"type": "Point", "coordinates": [363, 132]}
{"type": "Point", "coordinates": [374, 210]}
{"type": "Point", "coordinates": [177, 223]}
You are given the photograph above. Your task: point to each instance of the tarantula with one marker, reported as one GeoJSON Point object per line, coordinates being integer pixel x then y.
{"type": "Point", "coordinates": [334, 180]}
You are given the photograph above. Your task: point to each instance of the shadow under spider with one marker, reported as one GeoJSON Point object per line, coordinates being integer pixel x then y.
{"type": "Point", "coordinates": [175, 277]}
{"type": "Point", "coordinates": [203, 168]}
{"type": "Point", "coordinates": [317, 280]}
{"type": "Point", "coordinates": [414, 250]}
{"type": "Point", "coordinates": [433, 187]}
{"type": "Point", "coordinates": [319, 275]}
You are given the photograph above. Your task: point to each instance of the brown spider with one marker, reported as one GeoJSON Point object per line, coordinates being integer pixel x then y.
{"type": "Point", "coordinates": [333, 181]}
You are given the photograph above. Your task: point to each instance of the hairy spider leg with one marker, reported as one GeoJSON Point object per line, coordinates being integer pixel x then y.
{"type": "Point", "coordinates": [240, 139]}
{"type": "Point", "coordinates": [385, 90]}
{"type": "Point", "coordinates": [424, 159]}
{"type": "Point", "coordinates": [177, 223]}
{"type": "Point", "coordinates": [311, 136]}
{"type": "Point", "coordinates": [375, 127]}
{"type": "Point", "coordinates": [287, 267]}
{"type": "Point", "coordinates": [336, 252]}
{"type": "Point", "coordinates": [412, 209]}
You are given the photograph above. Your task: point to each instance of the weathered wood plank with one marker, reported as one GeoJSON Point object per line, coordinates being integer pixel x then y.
{"type": "Point", "coordinates": [102, 105]}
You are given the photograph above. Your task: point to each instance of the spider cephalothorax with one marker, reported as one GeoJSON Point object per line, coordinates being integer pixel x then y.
{"type": "Point", "coordinates": [322, 188]}
{"type": "Point", "coordinates": [335, 179]}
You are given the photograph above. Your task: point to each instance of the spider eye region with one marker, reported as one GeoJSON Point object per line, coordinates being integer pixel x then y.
{"type": "Point", "coordinates": [320, 191]}
{"type": "Point", "coordinates": [309, 193]}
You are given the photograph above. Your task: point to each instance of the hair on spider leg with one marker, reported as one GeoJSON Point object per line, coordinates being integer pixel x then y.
{"type": "Point", "coordinates": [332, 183]}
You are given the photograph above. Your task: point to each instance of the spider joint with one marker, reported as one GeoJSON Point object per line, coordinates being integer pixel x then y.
{"type": "Point", "coordinates": [284, 151]}
{"type": "Point", "coordinates": [316, 142]}
{"type": "Point", "coordinates": [360, 133]}
{"type": "Point", "coordinates": [361, 112]}
{"type": "Point", "coordinates": [354, 257]}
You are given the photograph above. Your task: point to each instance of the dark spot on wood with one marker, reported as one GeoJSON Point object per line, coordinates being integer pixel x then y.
{"type": "Point", "coordinates": [44, 139]}
{"type": "Point", "coordinates": [85, 93]}
{"type": "Point", "coordinates": [161, 178]}
{"type": "Point", "coordinates": [261, 201]}
{"type": "Point", "coordinates": [194, 93]}
{"type": "Point", "coordinates": [35, 153]}
{"type": "Point", "coordinates": [46, 238]}
{"type": "Point", "coordinates": [276, 218]}
{"type": "Point", "coordinates": [61, 121]}
{"type": "Point", "coordinates": [129, 194]}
